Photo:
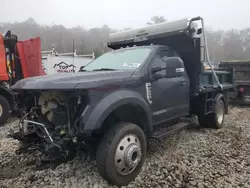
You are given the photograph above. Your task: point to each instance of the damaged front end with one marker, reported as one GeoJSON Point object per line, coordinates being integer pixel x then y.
{"type": "Point", "coordinates": [50, 123]}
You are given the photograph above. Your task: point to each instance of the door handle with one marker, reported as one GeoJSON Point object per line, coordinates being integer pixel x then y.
{"type": "Point", "coordinates": [183, 83]}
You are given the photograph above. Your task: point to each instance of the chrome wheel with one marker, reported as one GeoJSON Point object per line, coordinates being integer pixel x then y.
{"type": "Point", "coordinates": [220, 112]}
{"type": "Point", "coordinates": [1, 110]}
{"type": "Point", "coordinates": [128, 154]}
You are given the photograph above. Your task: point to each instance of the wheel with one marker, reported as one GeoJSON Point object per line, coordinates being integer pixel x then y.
{"type": "Point", "coordinates": [216, 119]}
{"type": "Point", "coordinates": [4, 110]}
{"type": "Point", "coordinates": [121, 153]}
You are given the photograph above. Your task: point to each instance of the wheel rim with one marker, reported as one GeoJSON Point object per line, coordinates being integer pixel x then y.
{"type": "Point", "coordinates": [1, 110]}
{"type": "Point", "coordinates": [220, 112]}
{"type": "Point", "coordinates": [128, 154]}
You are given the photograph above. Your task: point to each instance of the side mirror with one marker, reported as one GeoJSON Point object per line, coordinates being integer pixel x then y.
{"type": "Point", "coordinates": [175, 67]}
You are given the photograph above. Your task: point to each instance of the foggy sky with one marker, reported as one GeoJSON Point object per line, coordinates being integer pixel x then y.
{"type": "Point", "coordinates": [218, 14]}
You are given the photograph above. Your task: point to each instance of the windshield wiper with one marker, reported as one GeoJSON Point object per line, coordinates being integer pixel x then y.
{"type": "Point", "coordinates": [83, 70]}
{"type": "Point", "coordinates": [104, 69]}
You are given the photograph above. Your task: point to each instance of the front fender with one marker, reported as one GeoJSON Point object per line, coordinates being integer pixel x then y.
{"type": "Point", "coordinates": [94, 117]}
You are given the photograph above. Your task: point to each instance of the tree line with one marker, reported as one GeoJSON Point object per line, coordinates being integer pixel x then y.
{"type": "Point", "coordinates": [233, 44]}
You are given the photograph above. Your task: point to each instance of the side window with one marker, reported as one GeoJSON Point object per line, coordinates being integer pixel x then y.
{"type": "Point", "coordinates": [160, 60]}
{"type": "Point", "coordinates": [166, 53]}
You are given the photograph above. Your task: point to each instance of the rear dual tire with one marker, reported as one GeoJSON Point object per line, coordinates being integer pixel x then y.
{"type": "Point", "coordinates": [216, 119]}
{"type": "Point", "coordinates": [121, 153]}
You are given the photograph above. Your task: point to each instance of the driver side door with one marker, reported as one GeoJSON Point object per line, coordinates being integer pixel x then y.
{"type": "Point", "coordinates": [166, 94]}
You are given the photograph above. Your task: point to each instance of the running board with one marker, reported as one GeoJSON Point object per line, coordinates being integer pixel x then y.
{"type": "Point", "coordinates": [168, 130]}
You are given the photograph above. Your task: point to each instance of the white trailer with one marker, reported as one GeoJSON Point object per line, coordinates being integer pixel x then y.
{"type": "Point", "coordinates": [65, 62]}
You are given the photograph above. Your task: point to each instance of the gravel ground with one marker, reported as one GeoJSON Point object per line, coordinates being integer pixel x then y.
{"type": "Point", "coordinates": [200, 158]}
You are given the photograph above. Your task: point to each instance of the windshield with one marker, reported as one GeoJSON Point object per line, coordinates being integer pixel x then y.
{"type": "Point", "coordinates": [119, 60]}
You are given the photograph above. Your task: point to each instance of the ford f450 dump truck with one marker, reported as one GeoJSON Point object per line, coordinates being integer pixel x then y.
{"type": "Point", "coordinates": [153, 77]}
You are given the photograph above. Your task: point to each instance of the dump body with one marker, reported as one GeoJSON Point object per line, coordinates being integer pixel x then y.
{"type": "Point", "coordinates": [29, 52]}
{"type": "Point", "coordinates": [242, 80]}
{"type": "Point", "coordinates": [19, 59]}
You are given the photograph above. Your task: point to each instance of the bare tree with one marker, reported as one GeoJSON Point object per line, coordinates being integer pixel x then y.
{"type": "Point", "coordinates": [215, 45]}
{"type": "Point", "coordinates": [233, 45]}
{"type": "Point", "coordinates": [156, 20]}
{"type": "Point", "coordinates": [245, 33]}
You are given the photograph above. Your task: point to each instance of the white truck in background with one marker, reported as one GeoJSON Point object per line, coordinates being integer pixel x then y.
{"type": "Point", "coordinates": [54, 62]}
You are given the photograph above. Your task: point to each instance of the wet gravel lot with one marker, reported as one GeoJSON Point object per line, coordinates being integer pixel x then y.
{"type": "Point", "coordinates": [192, 157]}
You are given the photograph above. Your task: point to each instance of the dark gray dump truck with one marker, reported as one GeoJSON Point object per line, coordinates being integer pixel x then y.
{"type": "Point", "coordinates": [241, 95]}
{"type": "Point", "coordinates": [153, 77]}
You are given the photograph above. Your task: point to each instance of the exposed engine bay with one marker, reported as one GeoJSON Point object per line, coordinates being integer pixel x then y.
{"type": "Point", "coordinates": [50, 123]}
{"type": "Point", "coordinates": [52, 106]}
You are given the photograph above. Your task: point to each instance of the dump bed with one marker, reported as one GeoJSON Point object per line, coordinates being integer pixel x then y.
{"type": "Point", "coordinates": [241, 93]}
{"type": "Point", "coordinates": [185, 37]}
{"type": "Point", "coordinates": [242, 71]}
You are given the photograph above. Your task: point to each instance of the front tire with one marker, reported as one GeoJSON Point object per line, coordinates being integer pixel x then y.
{"type": "Point", "coordinates": [4, 110]}
{"type": "Point", "coordinates": [121, 153]}
{"type": "Point", "coordinates": [216, 119]}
